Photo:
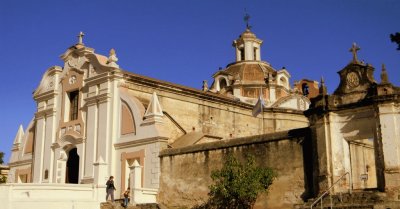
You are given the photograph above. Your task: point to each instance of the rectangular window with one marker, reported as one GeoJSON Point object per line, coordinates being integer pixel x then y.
{"type": "Point", "coordinates": [241, 54]}
{"type": "Point", "coordinates": [73, 107]}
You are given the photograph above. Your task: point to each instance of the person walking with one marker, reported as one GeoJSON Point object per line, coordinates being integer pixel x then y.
{"type": "Point", "coordinates": [126, 196]}
{"type": "Point", "coordinates": [110, 188]}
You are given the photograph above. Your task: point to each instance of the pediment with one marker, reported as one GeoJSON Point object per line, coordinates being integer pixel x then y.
{"type": "Point", "coordinates": [296, 102]}
{"type": "Point", "coordinates": [48, 82]}
{"type": "Point", "coordinates": [84, 59]}
{"type": "Point", "coordinates": [355, 77]}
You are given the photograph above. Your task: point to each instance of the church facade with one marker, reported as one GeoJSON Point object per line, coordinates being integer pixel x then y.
{"type": "Point", "coordinates": [96, 120]}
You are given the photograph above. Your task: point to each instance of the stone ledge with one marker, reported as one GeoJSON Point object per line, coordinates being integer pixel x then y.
{"type": "Point", "coordinates": [243, 141]}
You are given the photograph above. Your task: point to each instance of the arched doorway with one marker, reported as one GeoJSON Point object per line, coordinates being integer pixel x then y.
{"type": "Point", "coordinates": [72, 171]}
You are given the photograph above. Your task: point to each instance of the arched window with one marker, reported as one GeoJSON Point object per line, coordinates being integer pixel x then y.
{"type": "Point", "coordinates": [304, 89]}
{"type": "Point", "coordinates": [241, 54]}
{"type": "Point", "coordinates": [222, 84]}
{"type": "Point", "coordinates": [73, 107]}
{"type": "Point", "coordinates": [283, 82]}
{"type": "Point", "coordinates": [127, 120]}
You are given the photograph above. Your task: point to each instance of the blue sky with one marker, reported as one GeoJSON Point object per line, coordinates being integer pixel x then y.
{"type": "Point", "coordinates": [186, 41]}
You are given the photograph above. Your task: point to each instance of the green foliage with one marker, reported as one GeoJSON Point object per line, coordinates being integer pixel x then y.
{"type": "Point", "coordinates": [1, 157]}
{"type": "Point", "coordinates": [3, 179]}
{"type": "Point", "coordinates": [396, 38]}
{"type": "Point", "coordinates": [237, 185]}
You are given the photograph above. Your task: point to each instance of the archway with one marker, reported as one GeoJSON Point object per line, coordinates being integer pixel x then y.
{"type": "Point", "coordinates": [72, 170]}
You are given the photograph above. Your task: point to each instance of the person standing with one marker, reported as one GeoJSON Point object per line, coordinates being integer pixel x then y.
{"type": "Point", "coordinates": [126, 196]}
{"type": "Point", "coordinates": [110, 188]}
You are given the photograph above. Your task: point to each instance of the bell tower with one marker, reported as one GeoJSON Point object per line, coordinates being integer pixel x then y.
{"type": "Point", "coordinates": [247, 47]}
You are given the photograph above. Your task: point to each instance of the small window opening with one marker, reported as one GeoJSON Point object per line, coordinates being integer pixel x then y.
{"type": "Point", "coordinates": [222, 84]}
{"type": "Point", "coordinates": [241, 54]}
{"type": "Point", "coordinates": [46, 174]}
{"type": "Point", "coordinates": [304, 88]}
{"type": "Point", "coordinates": [73, 99]}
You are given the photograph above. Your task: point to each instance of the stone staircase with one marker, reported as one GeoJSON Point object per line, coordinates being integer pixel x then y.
{"type": "Point", "coordinates": [356, 200]}
{"type": "Point", "coordinates": [118, 205]}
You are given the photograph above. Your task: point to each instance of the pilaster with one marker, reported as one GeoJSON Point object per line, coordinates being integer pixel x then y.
{"type": "Point", "coordinates": [39, 149]}
{"type": "Point", "coordinates": [389, 119]}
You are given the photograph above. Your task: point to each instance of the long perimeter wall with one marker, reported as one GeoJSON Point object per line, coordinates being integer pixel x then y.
{"type": "Point", "coordinates": [51, 196]}
{"type": "Point", "coordinates": [185, 172]}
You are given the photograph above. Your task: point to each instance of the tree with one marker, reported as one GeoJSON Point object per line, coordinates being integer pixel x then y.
{"type": "Point", "coordinates": [3, 179]}
{"type": "Point", "coordinates": [1, 157]}
{"type": "Point", "coordinates": [396, 38]}
{"type": "Point", "coordinates": [237, 185]}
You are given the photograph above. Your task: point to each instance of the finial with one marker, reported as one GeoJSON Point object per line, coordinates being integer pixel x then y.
{"type": "Point", "coordinates": [112, 52]}
{"type": "Point", "coordinates": [205, 85]}
{"type": "Point", "coordinates": [354, 48]}
{"type": "Point", "coordinates": [384, 75]}
{"type": "Point", "coordinates": [246, 19]}
{"type": "Point", "coordinates": [322, 88]}
{"type": "Point", "coordinates": [80, 38]}
{"type": "Point", "coordinates": [112, 59]}
{"type": "Point", "coordinates": [154, 112]}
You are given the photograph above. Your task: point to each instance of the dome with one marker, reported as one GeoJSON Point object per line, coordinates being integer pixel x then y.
{"type": "Point", "coordinates": [248, 34]}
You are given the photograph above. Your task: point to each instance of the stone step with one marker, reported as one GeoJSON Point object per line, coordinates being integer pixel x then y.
{"type": "Point", "coordinates": [356, 200]}
{"type": "Point", "coordinates": [118, 205]}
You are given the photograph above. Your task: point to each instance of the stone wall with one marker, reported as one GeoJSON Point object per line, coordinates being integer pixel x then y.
{"type": "Point", "coordinates": [51, 196]}
{"type": "Point", "coordinates": [212, 114]}
{"type": "Point", "coordinates": [185, 172]}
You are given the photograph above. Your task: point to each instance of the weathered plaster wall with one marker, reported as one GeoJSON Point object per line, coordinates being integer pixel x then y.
{"type": "Point", "coordinates": [216, 118]}
{"type": "Point", "coordinates": [185, 172]}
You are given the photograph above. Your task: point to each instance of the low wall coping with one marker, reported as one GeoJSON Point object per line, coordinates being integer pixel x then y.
{"type": "Point", "coordinates": [242, 141]}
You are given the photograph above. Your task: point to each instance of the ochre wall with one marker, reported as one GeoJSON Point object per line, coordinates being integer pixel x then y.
{"type": "Point", "coordinates": [217, 118]}
{"type": "Point", "coordinates": [185, 172]}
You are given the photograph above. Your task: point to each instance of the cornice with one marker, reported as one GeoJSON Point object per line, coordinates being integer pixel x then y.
{"type": "Point", "coordinates": [103, 77]}
{"type": "Point", "coordinates": [98, 98]}
{"type": "Point", "coordinates": [135, 80]}
{"type": "Point", "coordinates": [131, 143]}
{"type": "Point", "coordinates": [46, 112]}
{"type": "Point", "coordinates": [20, 163]}
{"type": "Point", "coordinates": [46, 95]}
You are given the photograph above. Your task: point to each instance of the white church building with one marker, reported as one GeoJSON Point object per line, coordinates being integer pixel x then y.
{"type": "Point", "coordinates": [94, 120]}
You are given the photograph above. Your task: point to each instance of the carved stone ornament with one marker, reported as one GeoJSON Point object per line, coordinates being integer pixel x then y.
{"type": "Point", "coordinates": [72, 63]}
{"type": "Point", "coordinates": [302, 105]}
{"type": "Point", "coordinates": [50, 83]}
{"type": "Point", "coordinates": [352, 80]}
{"type": "Point", "coordinates": [72, 79]}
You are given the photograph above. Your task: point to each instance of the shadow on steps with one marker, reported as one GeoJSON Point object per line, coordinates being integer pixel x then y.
{"type": "Point", "coordinates": [118, 205]}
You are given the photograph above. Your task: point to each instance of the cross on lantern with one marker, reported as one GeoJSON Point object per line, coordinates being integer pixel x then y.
{"type": "Point", "coordinates": [246, 19]}
{"type": "Point", "coordinates": [354, 50]}
{"type": "Point", "coordinates": [80, 37]}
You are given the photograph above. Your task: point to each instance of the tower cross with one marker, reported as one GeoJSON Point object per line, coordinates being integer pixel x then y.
{"type": "Point", "coordinates": [80, 37]}
{"type": "Point", "coordinates": [246, 19]}
{"type": "Point", "coordinates": [354, 50]}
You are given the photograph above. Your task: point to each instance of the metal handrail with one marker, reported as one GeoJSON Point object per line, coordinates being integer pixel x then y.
{"type": "Point", "coordinates": [327, 191]}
